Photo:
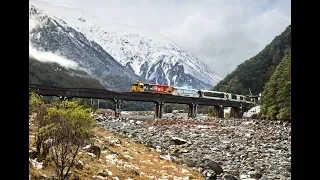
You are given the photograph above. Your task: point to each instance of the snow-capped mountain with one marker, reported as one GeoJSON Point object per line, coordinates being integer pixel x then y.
{"type": "Point", "coordinates": [149, 55]}
{"type": "Point", "coordinates": [50, 34]}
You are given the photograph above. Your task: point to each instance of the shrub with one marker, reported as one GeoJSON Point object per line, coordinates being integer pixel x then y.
{"type": "Point", "coordinates": [211, 112]}
{"type": "Point", "coordinates": [68, 128]}
{"type": "Point", "coordinates": [35, 102]}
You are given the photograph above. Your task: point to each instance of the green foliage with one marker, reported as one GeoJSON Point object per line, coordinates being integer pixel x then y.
{"type": "Point", "coordinates": [167, 108]}
{"type": "Point", "coordinates": [234, 86]}
{"type": "Point", "coordinates": [276, 101]}
{"type": "Point", "coordinates": [69, 115]}
{"type": "Point", "coordinates": [211, 112]}
{"type": "Point", "coordinates": [35, 102]}
{"type": "Point", "coordinates": [227, 115]}
{"type": "Point", "coordinates": [256, 71]}
{"type": "Point", "coordinates": [68, 126]}
{"type": "Point", "coordinates": [205, 109]}
{"type": "Point", "coordinates": [38, 107]}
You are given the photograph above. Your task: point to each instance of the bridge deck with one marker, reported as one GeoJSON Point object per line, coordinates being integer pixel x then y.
{"type": "Point", "coordinates": [128, 96]}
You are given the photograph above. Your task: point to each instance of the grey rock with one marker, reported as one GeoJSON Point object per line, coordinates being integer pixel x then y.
{"type": "Point", "coordinates": [210, 144]}
{"type": "Point", "coordinates": [229, 177]}
{"type": "Point", "coordinates": [214, 166]}
{"type": "Point", "coordinates": [209, 174]}
{"type": "Point", "coordinates": [178, 141]}
{"type": "Point", "coordinates": [255, 174]}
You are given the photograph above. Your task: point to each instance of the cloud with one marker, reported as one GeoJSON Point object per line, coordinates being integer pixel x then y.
{"type": "Point", "coordinates": [51, 58]}
{"type": "Point", "coordinates": [48, 56]}
{"type": "Point", "coordinates": [222, 33]}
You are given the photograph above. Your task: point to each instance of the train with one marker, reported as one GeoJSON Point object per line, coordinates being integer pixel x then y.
{"type": "Point", "coordinates": [140, 87]}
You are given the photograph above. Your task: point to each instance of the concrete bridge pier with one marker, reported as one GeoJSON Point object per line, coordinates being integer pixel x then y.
{"type": "Point", "coordinates": [117, 109]}
{"type": "Point", "coordinates": [158, 110]}
{"type": "Point", "coordinates": [236, 112]}
{"type": "Point", "coordinates": [219, 110]}
{"type": "Point", "coordinates": [242, 110]}
{"type": "Point", "coordinates": [193, 110]}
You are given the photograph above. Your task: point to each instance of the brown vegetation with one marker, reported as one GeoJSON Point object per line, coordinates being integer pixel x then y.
{"type": "Point", "coordinates": [119, 158]}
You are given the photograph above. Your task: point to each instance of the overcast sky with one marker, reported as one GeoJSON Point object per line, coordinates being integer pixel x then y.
{"type": "Point", "coordinates": [222, 33]}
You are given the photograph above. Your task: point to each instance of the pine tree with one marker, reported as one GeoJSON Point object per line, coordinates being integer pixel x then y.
{"type": "Point", "coordinates": [276, 102]}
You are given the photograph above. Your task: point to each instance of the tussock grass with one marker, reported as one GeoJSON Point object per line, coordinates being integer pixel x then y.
{"type": "Point", "coordinates": [127, 160]}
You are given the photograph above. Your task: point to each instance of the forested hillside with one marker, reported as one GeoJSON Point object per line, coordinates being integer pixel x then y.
{"type": "Point", "coordinates": [255, 72]}
{"type": "Point", "coordinates": [276, 101]}
{"type": "Point", "coordinates": [52, 74]}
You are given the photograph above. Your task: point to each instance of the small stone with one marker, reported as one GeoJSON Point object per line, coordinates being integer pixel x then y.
{"type": "Point", "coordinates": [209, 174]}
{"type": "Point", "coordinates": [79, 165]}
{"type": "Point", "coordinates": [280, 177]}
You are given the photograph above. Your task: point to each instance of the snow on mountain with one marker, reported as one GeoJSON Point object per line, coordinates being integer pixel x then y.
{"type": "Point", "coordinates": [51, 35]}
{"type": "Point", "coordinates": [149, 55]}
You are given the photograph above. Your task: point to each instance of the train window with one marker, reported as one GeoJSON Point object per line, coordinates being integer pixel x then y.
{"type": "Point", "coordinates": [233, 96]}
{"type": "Point", "coordinates": [241, 98]}
{"type": "Point", "coordinates": [220, 95]}
{"type": "Point", "coordinates": [135, 84]}
{"type": "Point", "coordinates": [141, 86]}
{"type": "Point", "coordinates": [207, 94]}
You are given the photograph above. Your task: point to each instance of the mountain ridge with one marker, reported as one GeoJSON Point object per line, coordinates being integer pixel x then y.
{"type": "Point", "coordinates": [157, 60]}
{"type": "Point", "coordinates": [50, 34]}
{"type": "Point", "coordinates": [255, 72]}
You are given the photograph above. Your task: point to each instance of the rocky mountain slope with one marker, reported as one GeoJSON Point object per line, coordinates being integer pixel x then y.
{"type": "Point", "coordinates": [50, 34]}
{"type": "Point", "coordinates": [148, 55]}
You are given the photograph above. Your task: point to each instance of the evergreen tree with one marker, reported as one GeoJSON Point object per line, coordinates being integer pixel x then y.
{"type": "Point", "coordinates": [276, 101]}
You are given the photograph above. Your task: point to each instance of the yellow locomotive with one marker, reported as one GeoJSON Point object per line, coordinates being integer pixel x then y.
{"type": "Point", "coordinates": [151, 88]}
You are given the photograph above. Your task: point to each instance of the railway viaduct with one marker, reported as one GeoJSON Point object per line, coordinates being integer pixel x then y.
{"type": "Point", "coordinates": [237, 108]}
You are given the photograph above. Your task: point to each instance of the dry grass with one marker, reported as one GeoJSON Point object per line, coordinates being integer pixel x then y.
{"type": "Point", "coordinates": [126, 161]}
